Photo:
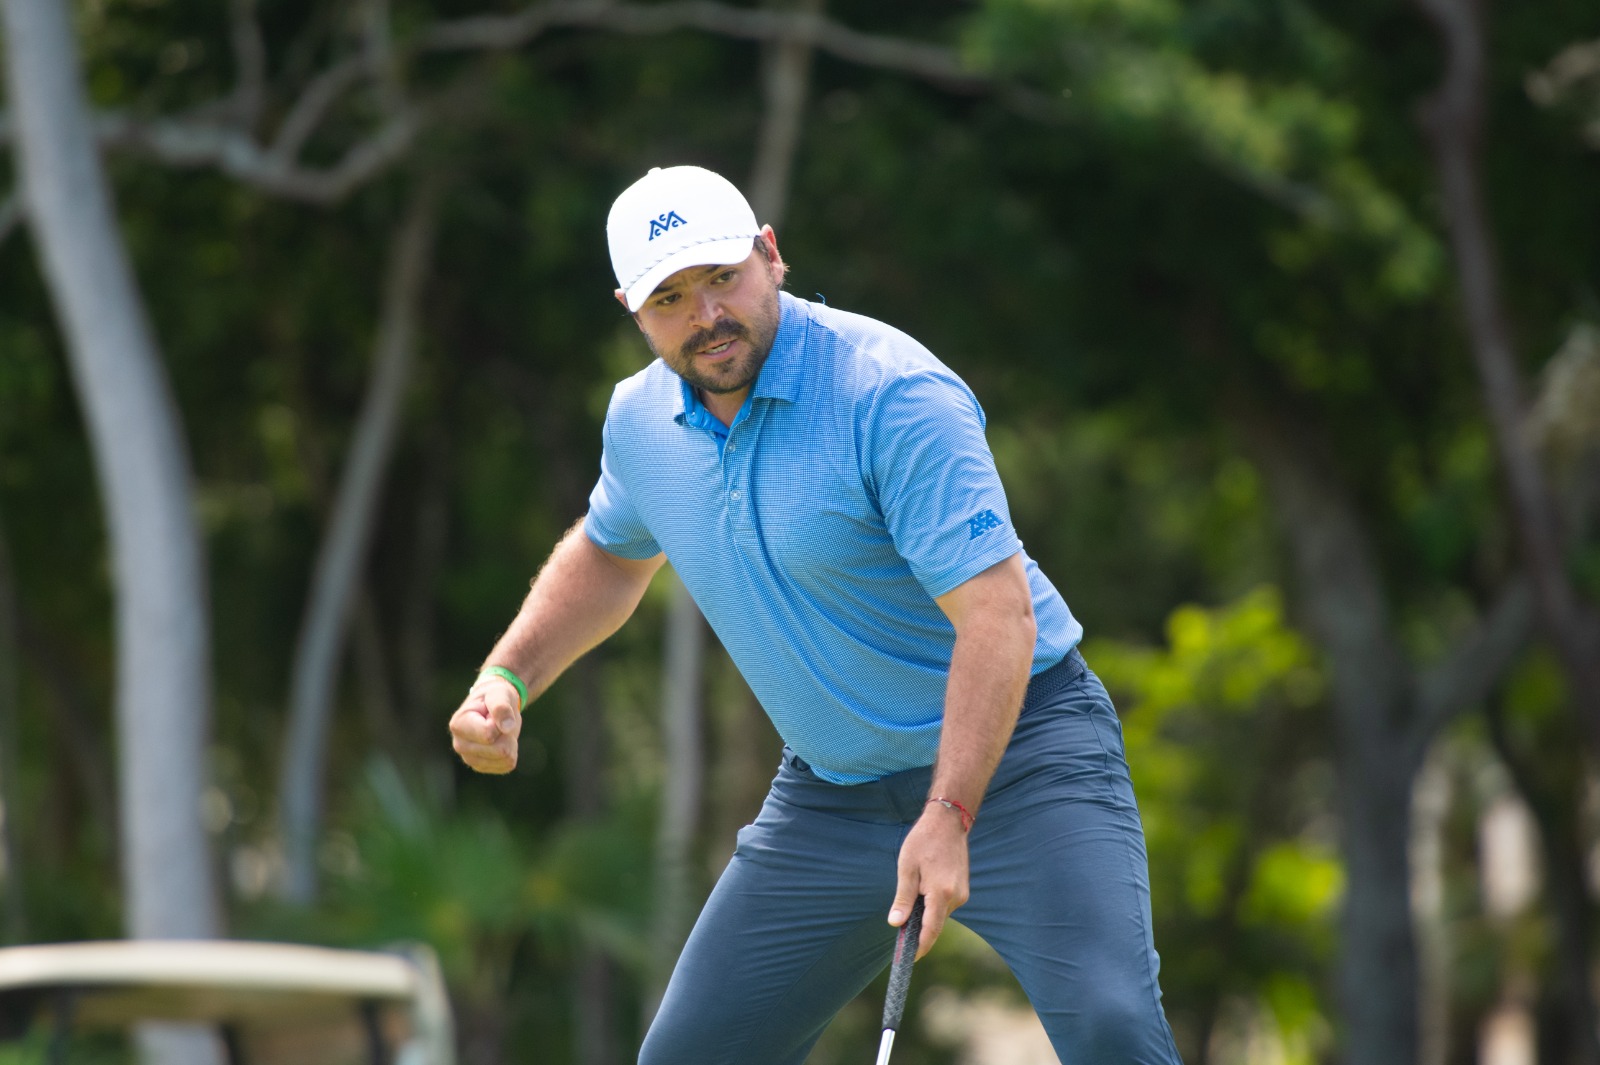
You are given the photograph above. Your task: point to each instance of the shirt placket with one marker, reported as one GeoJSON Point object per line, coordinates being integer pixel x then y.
{"type": "Point", "coordinates": [736, 476]}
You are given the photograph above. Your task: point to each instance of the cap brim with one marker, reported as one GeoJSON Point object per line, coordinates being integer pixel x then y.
{"type": "Point", "coordinates": [724, 252]}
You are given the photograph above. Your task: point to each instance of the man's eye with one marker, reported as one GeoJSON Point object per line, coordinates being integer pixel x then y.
{"type": "Point", "coordinates": [725, 276]}
{"type": "Point", "coordinates": [667, 301]}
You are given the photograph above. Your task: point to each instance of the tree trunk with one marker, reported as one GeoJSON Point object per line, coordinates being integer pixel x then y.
{"type": "Point", "coordinates": [1453, 119]}
{"type": "Point", "coordinates": [1551, 779]}
{"type": "Point", "coordinates": [1378, 968]}
{"type": "Point", "coordinates": [344, 550]}
{"type": "Point", "coordinates": [1573, 910]}
{"type": "Point", "coordinates": [1345, 606]}
{"type": "Point", "coordinates": [163, 657]}
{"type": "Point", "coordinates": [785, 83]}
{"type": "Point", "coordinates": [1431, 799]}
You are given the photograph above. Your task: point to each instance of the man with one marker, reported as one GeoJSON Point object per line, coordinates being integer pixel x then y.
{"type": "Point", "coordinates": [822, 485]}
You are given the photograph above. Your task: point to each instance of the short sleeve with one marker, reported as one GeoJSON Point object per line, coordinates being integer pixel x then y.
{"type": "Point", "coordinates": [935, 480]}
{"type": "Point", "coordinates": [613, 524]}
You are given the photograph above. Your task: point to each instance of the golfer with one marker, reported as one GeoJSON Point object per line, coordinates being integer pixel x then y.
{"type": "Point", "coordinates": [821, 483]}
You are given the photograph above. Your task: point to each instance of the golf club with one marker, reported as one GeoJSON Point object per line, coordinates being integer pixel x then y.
{"type": "Point", "coordinates": [905, 952]}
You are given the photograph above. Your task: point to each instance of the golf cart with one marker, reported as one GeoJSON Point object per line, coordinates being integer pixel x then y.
{"type": "Point", "coordinates": [271, 1003]}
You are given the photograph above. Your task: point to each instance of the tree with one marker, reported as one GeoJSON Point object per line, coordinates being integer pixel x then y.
{"type": "Point", "coordinates": [163, 675]}
{"type": "Point", "coordinates": [1453, 118]}
{"type": "Point", "coordinates": [1387, 713]}
{"type": "Point", "coordinates": [163, 672]}
{"type": "Point", "coordinates": [343, 553]}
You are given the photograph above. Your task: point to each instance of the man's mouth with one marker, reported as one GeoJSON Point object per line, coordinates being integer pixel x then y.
{"type": "Point", "coordinates": [716, 341]}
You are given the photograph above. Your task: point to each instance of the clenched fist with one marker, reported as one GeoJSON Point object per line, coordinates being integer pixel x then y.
{"type": "Point", "coordinates": [486, 726]}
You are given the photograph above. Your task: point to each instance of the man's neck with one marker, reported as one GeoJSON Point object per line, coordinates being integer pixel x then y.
{"type": "Point", "coordinates": [724, 406]}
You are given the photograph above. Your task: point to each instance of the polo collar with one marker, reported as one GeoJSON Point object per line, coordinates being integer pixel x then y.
{"type": "Point", "coordinates": [780, 376]}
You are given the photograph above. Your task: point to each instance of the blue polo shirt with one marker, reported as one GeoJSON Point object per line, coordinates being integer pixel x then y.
{"type": "Point", "coordinates": [853, 487]}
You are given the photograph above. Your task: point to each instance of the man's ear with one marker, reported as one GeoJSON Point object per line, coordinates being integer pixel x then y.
{"type": "Point", "coordinates": [624, 301]}
{"type": "Point", "coordinates": [769, 245]}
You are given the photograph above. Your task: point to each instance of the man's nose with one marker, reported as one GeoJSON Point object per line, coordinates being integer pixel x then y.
{"type": "Point", "coordinates": [707, 307]}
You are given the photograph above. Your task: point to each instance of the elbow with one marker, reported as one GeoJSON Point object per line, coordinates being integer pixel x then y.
{"type": "Point", "coordinates": [1013, 615]}
{"type": "Point", "coordinates": [1027, 625]}
{"type": "Point", "coordinates": [995, 609]}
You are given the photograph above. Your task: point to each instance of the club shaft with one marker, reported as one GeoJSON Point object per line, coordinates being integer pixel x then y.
{"type": "Point", "coordinates": [885, 1046]}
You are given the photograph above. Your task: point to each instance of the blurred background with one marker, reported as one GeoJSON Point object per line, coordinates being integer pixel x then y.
{"type": "Point", "coordinates": [1286, 317]}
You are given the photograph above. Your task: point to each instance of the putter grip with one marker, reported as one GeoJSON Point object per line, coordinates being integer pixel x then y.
{"type": "Point", "coordinates": [905, 952]}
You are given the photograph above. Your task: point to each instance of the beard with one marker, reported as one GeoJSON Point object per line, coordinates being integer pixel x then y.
{"type": "Point", "coordinates": [736, 373]}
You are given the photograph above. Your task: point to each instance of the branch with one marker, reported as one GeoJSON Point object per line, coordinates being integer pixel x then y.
{"type": "Point", "coordinates": [236, 154]}
{"type": "Point", "coordinates": [198, 142]}
{"type": "Point", "coordinates": [504, 32]}
{"type": "Point", "coordinates": [1468, 676]}
{"type": "Point", "coordinates": [202, 140]}
{"type": "Point", "coordinates": [308, 111]}
{"type": "Point", "coordinates": [250, 63]}
{"type": "Point", "coordinates": [1456, 108]}
{"type": "Point", "coordinates": [378, 43]}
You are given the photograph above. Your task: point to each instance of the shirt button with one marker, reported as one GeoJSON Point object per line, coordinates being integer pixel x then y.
{"type": "Point", "coordinates": [732, 446]}
{"type": "Point", "coordinates": [735, 496]}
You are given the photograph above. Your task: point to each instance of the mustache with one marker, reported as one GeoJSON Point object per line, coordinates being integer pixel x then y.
{"type": "Point", "coordinates": [722, 329]}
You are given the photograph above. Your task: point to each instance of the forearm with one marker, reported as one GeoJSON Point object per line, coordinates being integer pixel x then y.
{"type": "Point", "coordinates": [988, 677]}
{"type": "Point", "coordinates": [581, 595]}
{"type": "Point", "coordinates": [993, 617]}
{"type": "Point", "coordinates": [992, 614]}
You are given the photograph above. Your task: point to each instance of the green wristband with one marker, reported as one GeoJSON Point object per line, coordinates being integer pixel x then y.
{"type": "Point", "coordinates": [510, 678]}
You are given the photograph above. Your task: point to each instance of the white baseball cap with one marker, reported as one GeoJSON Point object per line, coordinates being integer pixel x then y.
{"type": "Point", "coordinates": [675, 218]}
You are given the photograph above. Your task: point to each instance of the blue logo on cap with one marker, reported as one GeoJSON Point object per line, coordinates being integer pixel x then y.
{"type": "Point", "coordinates": [660, 225]}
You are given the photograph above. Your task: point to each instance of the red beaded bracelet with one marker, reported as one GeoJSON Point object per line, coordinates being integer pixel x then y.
{"type": "Point", "coordinates": [950, 804]}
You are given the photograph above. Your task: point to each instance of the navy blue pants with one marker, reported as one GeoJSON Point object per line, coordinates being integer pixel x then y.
{"type": "Point", "coordinates": [796, 926]}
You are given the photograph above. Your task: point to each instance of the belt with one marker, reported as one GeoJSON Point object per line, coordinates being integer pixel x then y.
{"type": "Point", "coordinates": [1052, 679]}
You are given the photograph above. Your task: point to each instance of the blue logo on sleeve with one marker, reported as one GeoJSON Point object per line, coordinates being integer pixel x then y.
{"type": "Point", "coordinates": [665, 222]}
{"type": "Point", "coordinates": [982, 522]}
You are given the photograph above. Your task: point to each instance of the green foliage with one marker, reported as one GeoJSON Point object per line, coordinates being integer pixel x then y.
{"type": "Point", "coordinates": [1253, 90]}
{"type": "Point", "coordinates": [1221, 729]}
{"type": "Point", "coordinates": [82, 1049]}
{"type": "Point", "coordinates": [1128, 517]}
{"type": "Point", "coordinates": [505, 911]}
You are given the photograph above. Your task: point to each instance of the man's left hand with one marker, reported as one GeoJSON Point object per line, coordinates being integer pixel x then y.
{"type": "Point", "coordinates": [933, 864]}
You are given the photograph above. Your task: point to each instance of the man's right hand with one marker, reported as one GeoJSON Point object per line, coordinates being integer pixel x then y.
{"type": "Point", "coordinates": [486, 726]}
